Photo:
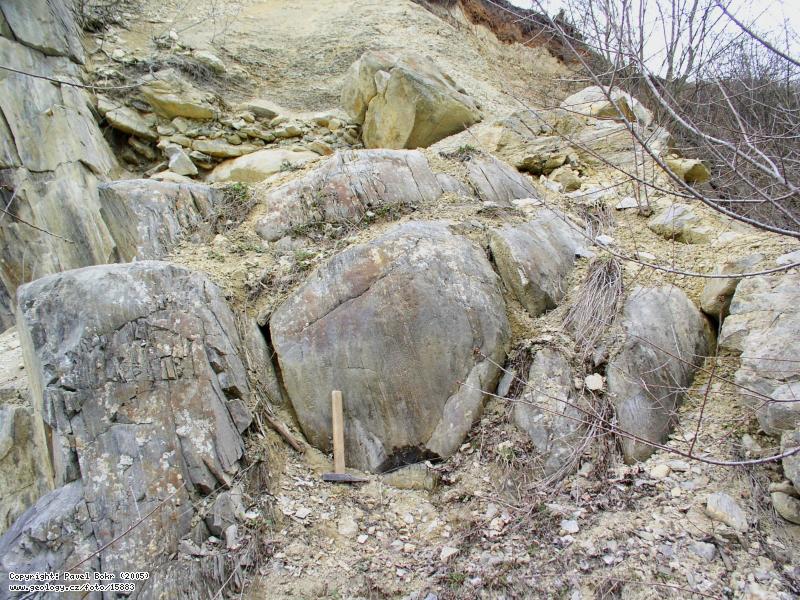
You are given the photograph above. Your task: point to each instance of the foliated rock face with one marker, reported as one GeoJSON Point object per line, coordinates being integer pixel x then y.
{"type": "Point", "coordinates": [136, 373]}
{"type": "Point", "coordinates": [666, 339]}
{"type": "Point", "coordinates": [52, 152]}
{"type": "Point", "coordinates": [535, 258]}
{"type": "Point", "coordinates": [147, 218]}
{"type": "Point", "coordinates": [346, 186]}
{"type": "Point", "coordinates": [394, 324]}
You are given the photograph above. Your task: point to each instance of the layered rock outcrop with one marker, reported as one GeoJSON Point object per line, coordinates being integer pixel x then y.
{"type": "Point", "coordinates": [541, 142]}
{"type": "Point", "coordinates": [607, 103]}
{"type": "Point", "coordinates": [52, 152]}
{"type": "Point", "coordinates": [349, 184]}
{"type": "Point", "coordinates": [549, 410]}
{"type": "Point", "coordinates": [137, 377]}
{"type": "Point", "coordinates": [147, 218]}
{"type": "Point", "coordinates": [400, 325]}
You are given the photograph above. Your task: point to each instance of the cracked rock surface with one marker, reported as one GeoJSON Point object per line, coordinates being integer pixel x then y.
{"type": "Point", "coordinates": [141, 391]}
{"type": "Point", "coordinates": [394, 324]}
{"type": "Point", "coordinates": [147, 218]}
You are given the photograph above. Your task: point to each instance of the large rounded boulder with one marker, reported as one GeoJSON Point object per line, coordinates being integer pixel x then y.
{"type": "Point", "coordinates": [401, 325]}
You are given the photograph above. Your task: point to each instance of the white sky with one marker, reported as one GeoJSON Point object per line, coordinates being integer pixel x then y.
{"type": "Point", "coordinates": [765, 16]}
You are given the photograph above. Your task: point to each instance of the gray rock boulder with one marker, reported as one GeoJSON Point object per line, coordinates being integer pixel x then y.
{"type": "Point", "coordinates": [495, 181]}
{"type": "Point", "coordinates": [346, 186]}
{"type": "Point", "coordinates": [534, 259]}
{"type": "Point", "coordinates": [715, 300]}
{"type": "Point", "coordinates": [645, 380]}
{"type": "Point", "coordinates": [147, 217]}
{"type": "Point", "coordinates": [681, 223]}
{"type": "Point", "coordinates": [394, 324]}
{"type": "Point", "coordinates": [786, 506]}
{"type": "Point", "coordinates": [405, 102]}
{"type": "Point", "coordinates": [548, 411]}
{"type": "Point", "coordinates": [763, 326]}
{"type": "Point", "coordinates": [137, 376]}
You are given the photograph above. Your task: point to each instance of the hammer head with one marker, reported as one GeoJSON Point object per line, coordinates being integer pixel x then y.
{"type": "Point", "coordinates": [343, 478]}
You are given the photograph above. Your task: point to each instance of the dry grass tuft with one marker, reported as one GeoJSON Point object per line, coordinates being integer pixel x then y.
{"type": "Point", "coordinates": [595, 305]}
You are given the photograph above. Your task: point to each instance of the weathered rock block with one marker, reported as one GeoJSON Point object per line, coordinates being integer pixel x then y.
{"type": "Point", "coordinates": [405, 102]}
{"type": "Point", "coordinates": [666, 339]}
{"type": "Point", "coordinates": [147, 218]}
{"type": "Point", "coordinates": [763, 326]}
{"type": "Point", "coordinates": [681, 223]}
{"type": "Point", "coordinates": [171, 95]}
{"type": "Point", "coordinates": [135, 370]}
{"type": "Point", "coordinates": [717, 294]}
{"type": "Point", "coordinates": [257, 166]}
{"type": "Point", "coordinates": [495, 181]}
{"type": "Point", "coordinates": [548, 411]}
{"type": "Point", "coordinates": [600, 103]}
{"type": "Point", "coordinates": [534, 259]}
{"type": "Point", "coordinates": [346, 186]}
{"type": "Point", "coordinates": [394, 324]}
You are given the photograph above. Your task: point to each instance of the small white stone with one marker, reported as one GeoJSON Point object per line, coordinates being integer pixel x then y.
{"type": "Point", "coordinates": [362, 538]}
{"type": "Point", "coordinates": [627, 202]}
{"type": "Point", "coordinates": [447, 553]}
{"type": "Point", "coordinates": [660, 471]}
{"type": "Point", "coordinates": [594, 382]}
{"type": "Point", "coordinates": [570, 526]}
{"type": "Point", "coordinates": [302, 512]}
{"type": "Point", "coordinates": [604, 240]}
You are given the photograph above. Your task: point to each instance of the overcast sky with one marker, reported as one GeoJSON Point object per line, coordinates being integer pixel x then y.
{"type": "Point", "coordinates": [767, 15]}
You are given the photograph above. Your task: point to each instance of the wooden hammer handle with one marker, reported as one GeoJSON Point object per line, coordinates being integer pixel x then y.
{"type": "Point", "coordinates": [338, 431]}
